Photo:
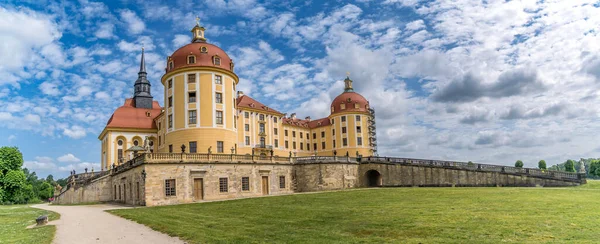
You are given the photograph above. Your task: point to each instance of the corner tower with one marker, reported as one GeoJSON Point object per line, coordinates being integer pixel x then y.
{"type": "Point", "coordinates": [142, 97]}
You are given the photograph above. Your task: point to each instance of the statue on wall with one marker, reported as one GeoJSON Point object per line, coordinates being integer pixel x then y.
{"type": "Point", "coordinates": [210, 150]}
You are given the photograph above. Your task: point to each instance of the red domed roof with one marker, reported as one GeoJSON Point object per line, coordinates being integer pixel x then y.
{"type": "Point", "coordinates": [203, 59]}
{"type": "Point", "coordinates": [128, 116]}
{"type": "Point", "coordinates": [353, 102]}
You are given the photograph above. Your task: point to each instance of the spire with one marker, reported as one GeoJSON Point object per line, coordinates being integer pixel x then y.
{"type": "Point", "coordinates": [143, 63]}
{"type": "Point", "coordinates": [348, 83]}
{"type": "Point", "coordinates": [141, 95]}
{"type": "Point", "coordinates": [198, 32]}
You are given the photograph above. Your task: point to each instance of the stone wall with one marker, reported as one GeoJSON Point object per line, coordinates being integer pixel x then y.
{"type": "Point", "coordinates": [97, 190]}
{"type": "Point", "coordinates": [419, 175]}
{"type": "Point", "coordinates": [128, 187]}
{"type": "Point", "coordinates": [184, 175]}
{"type": "Point", "coordinates": [322, 176]}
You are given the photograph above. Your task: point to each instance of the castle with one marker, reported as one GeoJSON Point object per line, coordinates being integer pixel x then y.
{"type": "Point", "coordinates": [212, 142]}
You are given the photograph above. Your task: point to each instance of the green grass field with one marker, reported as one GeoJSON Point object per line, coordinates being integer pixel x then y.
{"type": "Point", "coordinates": [401, 215]}
{"type": "Point", "coordinates": [15, 218]}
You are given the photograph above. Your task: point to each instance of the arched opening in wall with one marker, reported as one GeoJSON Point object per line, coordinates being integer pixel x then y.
{"type": "Point", "coordinates": [373, 178]}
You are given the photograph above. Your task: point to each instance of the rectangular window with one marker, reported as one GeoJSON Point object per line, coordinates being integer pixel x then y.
{"type": "Point", "coordinates": [218, 79]}
{"type": "Point", "coordinates": [333, 132]}
{"type": "Point", "coordinates": [170, 102]}
{"type": "Point", "coordinates": [358, 129]}
{"type": "Point", "coordinates": [191, 78]}
{"type": "Point", "coordinates": [261, 117]}
{"type": "Point", "coordinates": [247, 127]}
{"type": "Point", "coordinates": [344, 142]}
{"type": "Point", "coordinates": [193, 147]}
{"type": "Point", "coordinates": [323, 145]}
{"type": "Point", "coordinates": [120, 154]}
{"type": "Point", "coordinates": [274, 119]}
{"type": "Point", "coordinates": [171, 148]}
{"type": "Point", "coordinates": [287, 145]}
{"type": "Point", "coordinates": [307, 136]}
{"type": "Point", "coordinates": [344, 130]}
{"type": "Point", "coordinates": [285, 132]}
{"type": "Point", "coordinates": [275, 131]}
{"type": "Point", "coordinates": [276, 142]}
{"type": "Point", "coordinates": [357, 117]}
{"type": "Point", "coordinates": [245, 183]}
{"type": "Point", "coordinates": [219, 117]}
{"type": "Point", "coordinates": [315, 146]}
{"type": "Point", "coordinates": [294, 145]}
{"type": "Point", "coordinates": [170, 187]}
{"type": "Point", "coordinates": [307, 146]}
{"type": "Point", "coordinates": [359, 141]}
{"type": "Point", "coordinates": [282, 182]}
{"type": "Point", "coordinates": [247, 140]}
{"type": "Point", "coordinates": [170, 121]}
{"type": "Point", "coordinates": [301, 146]}
{"type": "Point", "coordinates": [314, 135]}
{"type": "Point", "coordinates": [192, 117]}
{"type": "Point", "coordinates": [333, 143]}
{"type": "Point", "coordinates": [323, 134]}
{"type": "Point", "coordinates": [220, 146]}
{"type": "Point", "coordinates": [246, 115]}
{"type": "Point", "coordinates": [192, 97]}
{"type": "Point", "coordinates": [261, 128]}
{"type": "Point", "coordinates": [293, 134]}
{"type": "Point", "coordinates": [137, 189]}
{"type": "Point", "coordinates": [218, 97]}
{"type": "Point", "coordinates": [300, 135]}
{"type": "Point", "coordinates": [170, 83]}
{"type": "Point", "coordinates": [343, 118]}
{"type": "Point", "coordinates": [223, 187]}
{"type": "Point", "coordinates": [332, 120]}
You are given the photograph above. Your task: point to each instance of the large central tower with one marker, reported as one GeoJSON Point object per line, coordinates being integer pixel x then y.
{"type": "Point", "coordinates": [199, 91]}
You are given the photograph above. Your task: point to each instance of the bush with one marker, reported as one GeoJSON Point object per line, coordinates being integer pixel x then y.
{"type": "Point", "coordinates": [570, 166]}
{"type": "Point", "coordinates": [519, 164]}
{"type": "Point", "coordinates": [542, 164]}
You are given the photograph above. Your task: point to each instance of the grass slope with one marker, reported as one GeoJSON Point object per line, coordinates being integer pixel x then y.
{"type": "Point", "coordinates": [15, 218]}
{"type": "Point", "coordinates": [406, 215]}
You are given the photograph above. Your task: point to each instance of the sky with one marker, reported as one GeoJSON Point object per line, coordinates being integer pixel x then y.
{"type": "Point", "coordinates": [490, 81]}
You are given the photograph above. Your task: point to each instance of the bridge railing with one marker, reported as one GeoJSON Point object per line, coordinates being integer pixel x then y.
{"type": "Point", "coordinates": [481, 167]}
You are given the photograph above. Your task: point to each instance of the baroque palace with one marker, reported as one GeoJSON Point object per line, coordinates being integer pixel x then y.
{"type": "Point", "coordinates": [210, 142]}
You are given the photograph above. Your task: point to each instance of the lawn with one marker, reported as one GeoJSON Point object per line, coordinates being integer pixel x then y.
{"type": "Point", "coordinates": [402, 215]}
{"type": "Point", "coordinates": [15, 218]}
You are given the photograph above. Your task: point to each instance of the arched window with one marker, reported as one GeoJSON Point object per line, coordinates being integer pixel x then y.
{"type": "Point", "coordinates": [135, 143]}
{"type": "Point", "coordinates": [191, 59]}
{"type": "Point", "coordinates": [171, 65]}
{"type": "Point", "coordinates": [216, 60]}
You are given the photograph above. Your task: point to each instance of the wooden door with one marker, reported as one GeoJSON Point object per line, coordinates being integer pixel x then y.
{"type": "Point", "coordinates": [265, 185]}
{"type": "Point", "coordinates": [198, 189]}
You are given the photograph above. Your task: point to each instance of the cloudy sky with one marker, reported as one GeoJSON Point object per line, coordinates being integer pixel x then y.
{"type": "Point", "coordinates": [488, 81]}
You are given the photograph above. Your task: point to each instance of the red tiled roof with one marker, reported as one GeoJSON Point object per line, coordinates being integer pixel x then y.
{"type": "Point", "coordinates": [128, 116]}
{"type": "Point", "coordinates": [319, 122]}
{"type": "Point", "coordinates": [247, 102]}
{"type": "Point", "coordinates": [350, 98]}
{"type": "Point", "coordinates": [295, 122]}
{"type": "Point", "coordinates": [180, 56]}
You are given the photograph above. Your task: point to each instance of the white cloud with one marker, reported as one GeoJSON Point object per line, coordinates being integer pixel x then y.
{"type": "Point", "coordinates": [105, 30]}
{"type": "Point", "coordinates": [134, 24]}
{"type": "Point", "coordinates": [68, 158]}
{"type": "Point", "coordinates": [49, 88]}
{"type": "Point", "coordinates": [180, 40]}
{"type": "Point", "coordinates": [102, 96]}
{"type": "Point", "coordinates": [74, 132]}
{"type": "Point", "coordinates": [80, 167]}
{"type": "Point", "coordinates": [11, 138]}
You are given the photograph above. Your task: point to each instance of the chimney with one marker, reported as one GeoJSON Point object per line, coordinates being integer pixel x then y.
{"type": "Point", "coordinates": [293, 116]}
{"type": "Point", "coordinates": [240, 94]}
{"type": "Point", "coordinates": [307, 118]}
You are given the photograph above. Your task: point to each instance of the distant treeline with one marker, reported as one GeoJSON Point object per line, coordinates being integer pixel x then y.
{"type": "Point", "coordinates": [592, 167]}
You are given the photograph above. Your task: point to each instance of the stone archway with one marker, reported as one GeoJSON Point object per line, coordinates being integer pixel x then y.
{"type": "Point", "coordinates": [373, 178]}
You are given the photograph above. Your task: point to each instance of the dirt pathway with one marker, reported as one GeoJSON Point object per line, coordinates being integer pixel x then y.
{"type": "Point", "coordinates": [90, 224]}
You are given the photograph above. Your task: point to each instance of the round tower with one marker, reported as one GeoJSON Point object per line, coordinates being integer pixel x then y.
{"type": "Point", "coordinates": [350, 116]}
{"type": "Point", "coordinates": [200, 92]}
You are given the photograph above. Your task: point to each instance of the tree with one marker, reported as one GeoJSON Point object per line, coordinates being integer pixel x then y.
{"type": "Point", "coordinates": [519, 164]}
{"type": "Point", "coordinates": [50, 179]}
{"type": "Point", "coordinates": [46, 191]}
{"type": "Point", "coordinates": [10, 159]}
{"type": "Point", "coordinates": [570, 166]}
{"type": "Point", "coordinates": [542, 164]}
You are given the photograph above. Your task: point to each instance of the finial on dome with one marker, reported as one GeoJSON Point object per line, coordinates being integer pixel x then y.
{"type": "Point", "coordinates": [348, 83]}
{"type": "Point", "coordinates": [198, 32]}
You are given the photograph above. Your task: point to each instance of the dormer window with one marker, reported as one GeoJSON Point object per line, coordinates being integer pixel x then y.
{"type": "Point", "coordinates": [203, 49]}
{"type": "Point", "coordinates": [356, 106]}
{"type": "Point", "coordinates": [342, 106]}
{"type": "Point", "coordinates": [216, 60]}
{"type": "Point", "coordinates": [332, 109]}
{"type": "Point", "coordinates": [191, 59]}
{"type": "Point", "coordinates": [231, 66]}
{"type": "Point", "coordinates": [171, 65]}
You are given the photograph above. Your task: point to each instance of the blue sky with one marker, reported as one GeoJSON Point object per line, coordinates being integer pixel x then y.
{"type": "Point", "coordinates": [489, 81]}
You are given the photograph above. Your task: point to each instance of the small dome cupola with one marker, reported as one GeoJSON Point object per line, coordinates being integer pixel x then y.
{"type": "Point", "coordinates": [348, 83]}
{"type": "Point", "coordinates": [198, 32]}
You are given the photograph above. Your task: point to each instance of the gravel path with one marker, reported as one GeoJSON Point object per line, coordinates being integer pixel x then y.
{"type": "Point", "coordinates": [90, 224]}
